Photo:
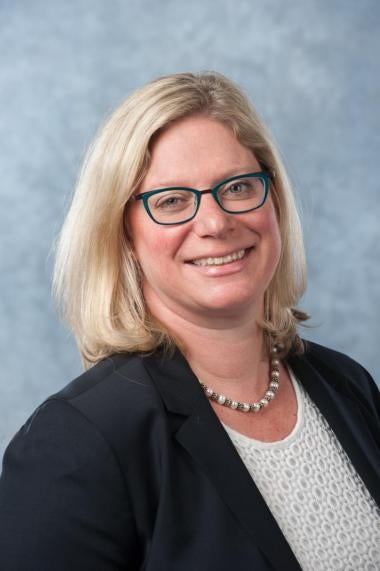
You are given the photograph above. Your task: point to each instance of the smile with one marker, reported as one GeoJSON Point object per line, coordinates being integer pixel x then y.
{"type": "Point", "coordinates": [220, 260]}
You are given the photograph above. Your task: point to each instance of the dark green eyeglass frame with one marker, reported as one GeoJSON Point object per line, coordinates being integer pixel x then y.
{"type": "Point", "coordinates": [263, 175]}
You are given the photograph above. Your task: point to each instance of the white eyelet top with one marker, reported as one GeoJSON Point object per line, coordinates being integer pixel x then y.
{"type": "Point", "coordinates": [320, 503]}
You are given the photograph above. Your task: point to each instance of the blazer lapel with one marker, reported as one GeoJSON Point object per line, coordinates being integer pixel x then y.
{"type": "Point", "coordinates": [344, 415]}
{"type": "Point", "coordinates": [204, 437]}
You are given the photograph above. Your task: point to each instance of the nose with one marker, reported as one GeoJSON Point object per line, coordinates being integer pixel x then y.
{"type": "Point", "coordinates": [211, 220]}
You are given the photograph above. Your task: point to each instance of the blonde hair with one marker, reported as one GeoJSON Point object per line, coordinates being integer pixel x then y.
{"type": "Point", "coordinates": [97, 281]}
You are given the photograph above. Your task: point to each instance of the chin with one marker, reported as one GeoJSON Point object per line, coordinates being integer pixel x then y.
{"type": "Point", "coordinates": [224, 305]}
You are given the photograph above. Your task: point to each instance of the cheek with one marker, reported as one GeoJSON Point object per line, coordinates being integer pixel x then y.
{"type": "Point", "coordinates": [265, 222]}
{"type": "Point", "coordinates": [157, 246]}
{"type": "Point", "coordinates": [267, 226]}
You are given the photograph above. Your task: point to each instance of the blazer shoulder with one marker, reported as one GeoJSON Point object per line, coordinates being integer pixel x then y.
{"type": "Point", "coordinates": [345, 374]}
{"type": "Point", "coordinates": [118, 397]}
{"type": "Point", "coordinates": [119, 380]}
{"type": "Point", "coordinates": [332, 358]}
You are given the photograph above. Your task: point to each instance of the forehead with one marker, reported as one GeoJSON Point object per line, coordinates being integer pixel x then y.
{"type": "Point", "coordinates": [195, 151]}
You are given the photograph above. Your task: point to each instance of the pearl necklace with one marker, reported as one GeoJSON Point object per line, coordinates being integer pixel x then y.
{"type": "Point", "coordinates": [274, 381]}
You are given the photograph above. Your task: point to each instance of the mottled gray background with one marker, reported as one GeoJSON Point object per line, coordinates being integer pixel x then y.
{"type": "Point", "coordinates": [312, 69]}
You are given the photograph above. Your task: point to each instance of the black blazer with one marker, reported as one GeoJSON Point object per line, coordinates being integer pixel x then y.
{"type": "Point", "coordinates": [128, 468]}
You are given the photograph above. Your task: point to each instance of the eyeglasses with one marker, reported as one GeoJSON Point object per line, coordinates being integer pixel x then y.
{"type": "Point", "coordinates": [235, 195]}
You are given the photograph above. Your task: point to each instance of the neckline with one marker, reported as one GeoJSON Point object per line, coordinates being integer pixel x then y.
{"type": "Point", "coordinates": [289, 438]}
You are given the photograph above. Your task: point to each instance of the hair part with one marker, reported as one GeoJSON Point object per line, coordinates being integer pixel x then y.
{"type": "Point", "coordinates": [97, 281]}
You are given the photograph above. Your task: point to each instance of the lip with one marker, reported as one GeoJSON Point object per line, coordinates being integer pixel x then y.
{"type": "Point", "coordinates": [224, 269]}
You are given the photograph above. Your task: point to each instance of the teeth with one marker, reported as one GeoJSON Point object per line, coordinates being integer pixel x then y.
{"type": "Point", "coordinates": [219, 261]}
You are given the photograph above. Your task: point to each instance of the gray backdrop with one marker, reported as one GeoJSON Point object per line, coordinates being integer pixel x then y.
{"type": "Point", "coordinates": [310, 66]}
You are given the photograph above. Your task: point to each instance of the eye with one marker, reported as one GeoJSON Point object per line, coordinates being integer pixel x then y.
{"type": "Point", "coordinates": [241, 188]}
{"type": "Point", "coordinates": [237, 187]}
{"type": "Point", "coordinates": [173, 200]}
{"type": "Point", "coordinates": [168, 202]}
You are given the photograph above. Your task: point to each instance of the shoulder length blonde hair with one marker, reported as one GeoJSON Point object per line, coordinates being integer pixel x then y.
{"type": "Point", "coordinates": [97, 281]}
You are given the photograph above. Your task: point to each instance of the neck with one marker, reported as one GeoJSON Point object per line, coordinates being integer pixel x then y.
{"type": "Point", "coordinates": [232, 356]}
{"type": "Point", "coordinates": [225, 354]}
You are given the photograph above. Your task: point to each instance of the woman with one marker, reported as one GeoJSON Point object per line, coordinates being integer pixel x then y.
{"type": "Point", "coordinates": [204, 434]}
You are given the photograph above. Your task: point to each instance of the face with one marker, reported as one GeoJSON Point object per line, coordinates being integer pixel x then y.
{"type": "Point", "coordinates": [199, 152]}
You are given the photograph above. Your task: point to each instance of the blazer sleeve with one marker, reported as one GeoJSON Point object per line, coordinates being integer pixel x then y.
{"type": "Point", "coordinates": [63, 500]}
{"type": "Point", "coordinates": [356, 380]}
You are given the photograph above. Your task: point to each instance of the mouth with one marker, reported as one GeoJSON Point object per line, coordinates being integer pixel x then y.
{"type": "Point", "coordinates": [221, 260]}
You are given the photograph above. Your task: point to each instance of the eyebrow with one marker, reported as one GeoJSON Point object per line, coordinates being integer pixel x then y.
{"type": "Point", "coordinates": [170, 183]}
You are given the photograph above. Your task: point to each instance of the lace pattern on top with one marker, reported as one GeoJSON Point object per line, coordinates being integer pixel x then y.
{"type": "Point", "coordinates": [320, 503]}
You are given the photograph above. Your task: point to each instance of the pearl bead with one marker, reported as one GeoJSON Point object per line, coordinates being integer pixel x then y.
{"type": "Point", "coordinates": [255, 407]}
{"type": "Point", "coordinates": [274, 379]}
